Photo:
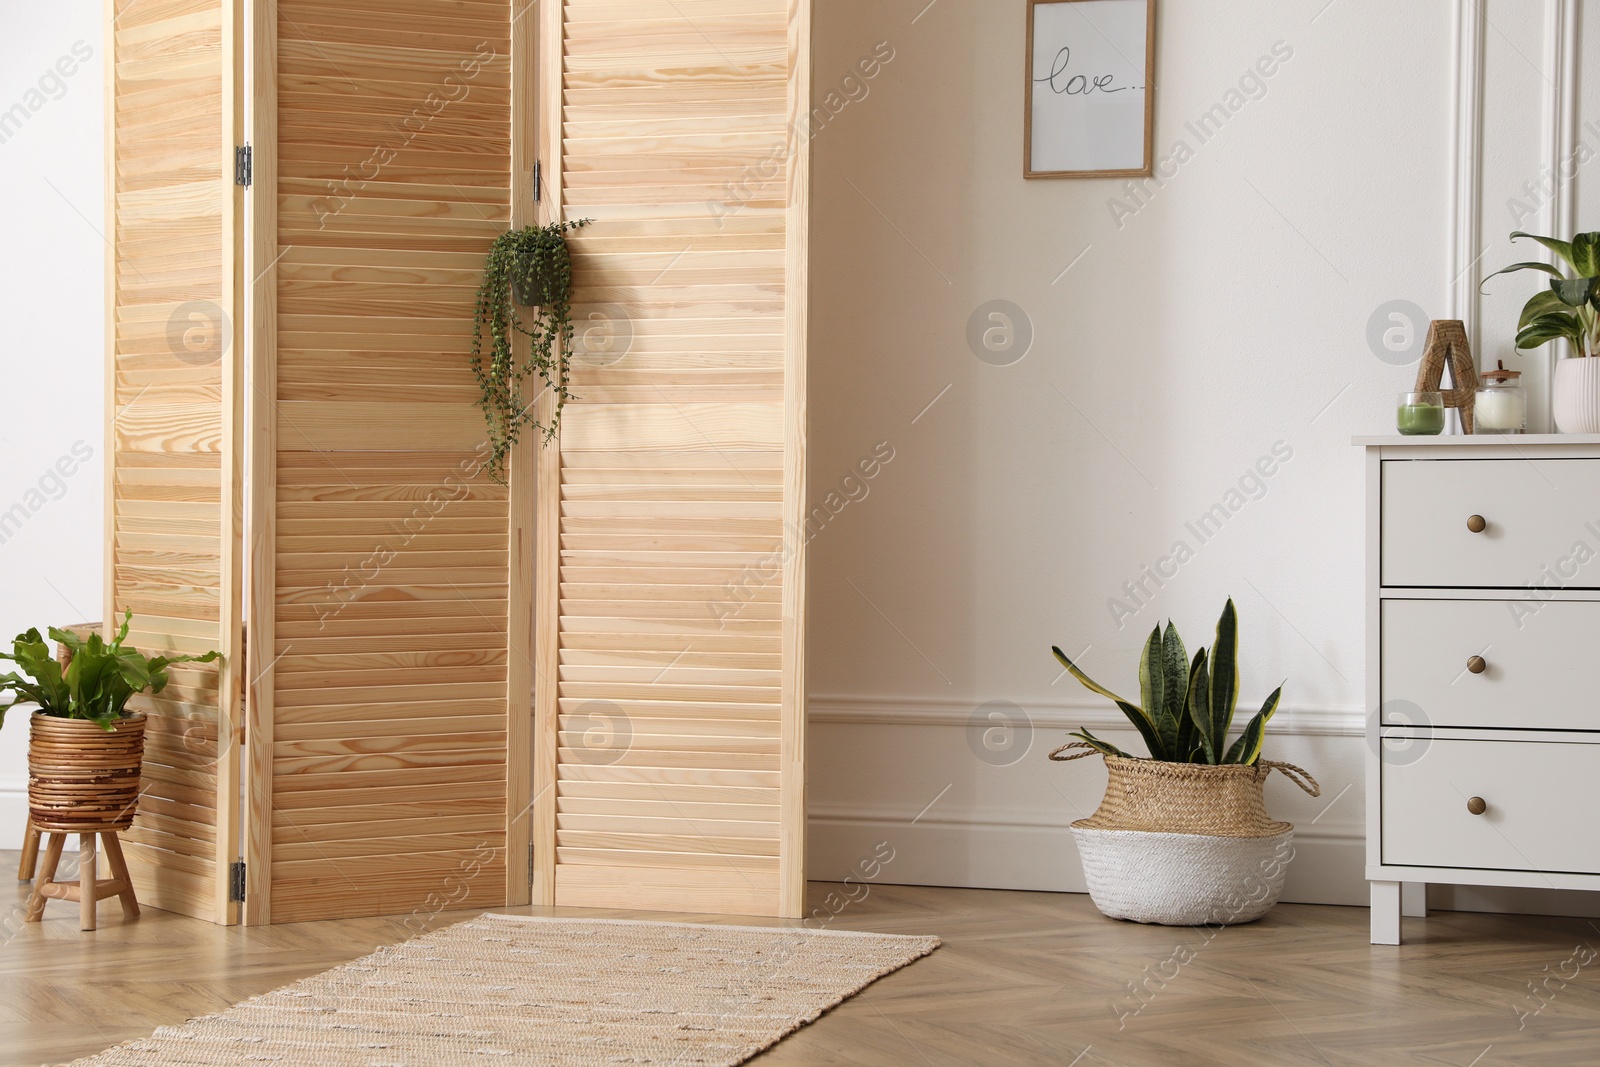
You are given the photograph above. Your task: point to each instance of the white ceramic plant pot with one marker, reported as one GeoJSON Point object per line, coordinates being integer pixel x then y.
{"type": "Point", "coordinates": [1183, 879]}
{"type": "Point", "coordinates": [1576, 403]}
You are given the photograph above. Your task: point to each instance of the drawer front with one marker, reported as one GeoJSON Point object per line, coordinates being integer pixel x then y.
{"type": "Point", "coordinates": [1541, 805]}
{"type": "Point", "coordinates": [1541, 664]}
{"type": "Point", "coordinates": [1535, 513]}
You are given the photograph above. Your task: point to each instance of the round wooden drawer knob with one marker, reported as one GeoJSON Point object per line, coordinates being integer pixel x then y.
{"type": "Point", "coordinates": [1477, 665]}
{"type": "Point", "coordinates": [1477, 523]}
{"type": "Point", "coordinates": [1477, 806]}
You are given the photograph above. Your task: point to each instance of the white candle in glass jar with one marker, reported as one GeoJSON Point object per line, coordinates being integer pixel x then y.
{"type": "Point", "coordinates": [1500, 409]}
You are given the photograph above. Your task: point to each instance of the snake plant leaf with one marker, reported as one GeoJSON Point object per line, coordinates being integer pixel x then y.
{"type": "Point", "coordinates": [1199, 705]}
{"type": "Point", "coordinates": [1551, 327]}
{"type": "Point", "coordinates": [1554, 244]}
{"type": "Point", "coordinates": [1247, 749]}
{"type": "Point", "coordinates": [1099, 745]}
{"type": "Point", "coordinates": [1585, 256]}
{"type": "Point", "coordinates": [1544, 302]}
{"type": "Point", "coordinates": [1157, 701]}
{"type": "Point", "coordinates": [1532, 265]}
{"type": "Point", "coordinates": [1153, 677]}
{"type": "Point", "coordinates": [1574, 292]}
{"type": "Point", "coordinates": [1135, 714]}
{"type": "Point", "coordinates": [1224, 666]}
{"type": "Point", "coordinates": [1175, 661]}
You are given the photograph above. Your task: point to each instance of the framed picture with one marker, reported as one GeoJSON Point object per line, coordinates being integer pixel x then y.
{"type": "Point", "coordinates": [1089, 108]}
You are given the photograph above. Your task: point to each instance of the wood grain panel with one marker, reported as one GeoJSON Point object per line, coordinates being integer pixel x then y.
{"type": "Point", "coordinates": [671, 728]}
{"type": "Point", "coordinates": [382, 745]}
{"type": "Point", "coordinates": [175, 424]}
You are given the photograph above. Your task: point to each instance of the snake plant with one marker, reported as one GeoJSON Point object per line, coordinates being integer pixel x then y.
{"type": "Point", "coordinates": [1186, 709]}
{"type": "Point", "coordinates": [1570, 307]}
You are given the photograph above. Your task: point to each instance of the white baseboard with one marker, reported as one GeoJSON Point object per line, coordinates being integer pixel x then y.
{"type": "Point", "coordinates": [984, 837]}
{"type": "Point", "coordinates": [13, 813]}
{"type": "Point", "coordinates": [1028, 854]}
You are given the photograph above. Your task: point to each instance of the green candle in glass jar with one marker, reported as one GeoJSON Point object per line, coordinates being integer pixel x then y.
{"type": "Point", "coordinates": [1420, 414]}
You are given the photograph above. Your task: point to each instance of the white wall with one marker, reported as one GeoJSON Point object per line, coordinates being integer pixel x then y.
{"type": "Point", "coordinates": [1228, 315]}
{"type": "Point", "coordinates": [52, 316]}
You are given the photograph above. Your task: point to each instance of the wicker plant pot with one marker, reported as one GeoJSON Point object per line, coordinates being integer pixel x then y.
{"type": "Point", "coordinates": [82, 779]}
{"type": "Point", "coordinates": [1185, 843]}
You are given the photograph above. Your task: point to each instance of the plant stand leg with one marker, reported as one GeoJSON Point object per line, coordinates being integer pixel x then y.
{"type": "Point", "coordinates": [87, 871]}
{"type": "Point", "coordinates": [1385, 913]}
{"type": "Point", "coordinates": [52, 859]}
{"type": "Point", "coordinates": [1414, 900]}
{"type": "Point", "coordinates": [119, 872]}
{"type": "Point", "coordinates": [30, 854]}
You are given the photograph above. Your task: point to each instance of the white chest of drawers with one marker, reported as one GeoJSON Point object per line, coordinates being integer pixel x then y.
{"type": "Point", "coordinates": [1483, 666]}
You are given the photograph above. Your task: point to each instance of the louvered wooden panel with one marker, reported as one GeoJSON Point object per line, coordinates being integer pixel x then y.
{"type": "Point", "coordinates": [381, 730]}
{"type": "Point", "coordinates": [175, 422]}
{"type": "Point", "coordinates": [673, 732]}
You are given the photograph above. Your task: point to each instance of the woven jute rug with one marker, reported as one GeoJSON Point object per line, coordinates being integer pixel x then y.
{"type": "Point", "coordinates": [512, 990]}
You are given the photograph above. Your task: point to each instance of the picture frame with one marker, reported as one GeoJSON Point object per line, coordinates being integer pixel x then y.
{"type": "Point", "coordinates": [1081, 55]}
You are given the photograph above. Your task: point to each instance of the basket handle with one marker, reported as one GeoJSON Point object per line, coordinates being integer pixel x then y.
{"type": "Point", "coordinates": [1298, 775]}
{"type": "Point", "coordinates": [1088, 750]}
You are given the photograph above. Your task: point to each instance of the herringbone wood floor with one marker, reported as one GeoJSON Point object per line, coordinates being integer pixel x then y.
{"type": "Point", "coordinates": [1023, 978]}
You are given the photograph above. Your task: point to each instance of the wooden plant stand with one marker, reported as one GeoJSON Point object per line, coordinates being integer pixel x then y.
{"type": "Point", "coordinates": [30, 854]}
{"type": "Point", "coordinates": [118, 885]}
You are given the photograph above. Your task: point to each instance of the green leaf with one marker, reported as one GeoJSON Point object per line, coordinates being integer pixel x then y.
{"type": "Point", "coordinates": [1199, 705]}
{"type": "Point", "coordinates": [98, 683]}
{"type": "Point", "coordinates": [1087, 682]}
{"type": "Point", "coordinates": [1135, 714]}
{"type": "Point", "coordinates": [1224, 667]}
{"type": "Point", "coordinates": [1247, 749]}
{"type": "Point", "coordinates": [1574, 292]}
{"type": "Point", "coordinates": [1152, 676]}
{"type": "Point", "coordinates": [1585, 255]}
{"type": "Point", "coordinates": [1544, 302]}
{"type": "Point", "coordinates": [1153, 689]}
{"type": "Point", "coordinates": [1102, 746]}
{"type": "Point", "coordinates": [1550, 327]}
{"type": "Point", "coordinates": [48, 689]}
{"type": "Point", "coordinates": [1175, 661]}
{"type": "Point", "coordinates": [1559, 247]}
{"type": "Point", "coordinates": [1547, 268]}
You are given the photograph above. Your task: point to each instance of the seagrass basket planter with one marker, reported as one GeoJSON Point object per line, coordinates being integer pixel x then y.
{"type": "Point", "coordinates": [82, 779]}
{"type": "Point", "coordinates": [1184, 844]}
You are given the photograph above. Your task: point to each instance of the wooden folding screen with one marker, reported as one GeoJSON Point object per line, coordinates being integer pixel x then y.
{"type": "Point", "coordinates": [671, 554]}
{"type": "Point", "coordinates": [381, 716]}
{"type": "Point", "coordinates": [325, 500]}
{"type": "Point", "coordinates": [175, 423]}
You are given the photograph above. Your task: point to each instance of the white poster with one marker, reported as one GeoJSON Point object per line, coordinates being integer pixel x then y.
{"type": "Point", "coordinates": [1087, 86]}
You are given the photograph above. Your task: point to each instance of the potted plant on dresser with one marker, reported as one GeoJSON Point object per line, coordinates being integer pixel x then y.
{"type": "Point", "coordinates": [86, 749]}
{"type": "Point", "coordinates": [1183, 837]}
{"type": "Point", "coordinates": [1567, 309]}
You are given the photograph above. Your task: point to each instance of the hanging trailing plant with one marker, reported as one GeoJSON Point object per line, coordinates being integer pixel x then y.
{"type": "Point", "coordinates": [531, 267]}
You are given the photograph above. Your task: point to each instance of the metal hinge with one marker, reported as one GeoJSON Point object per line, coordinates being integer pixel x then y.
{"type": "Point", "coordinates": [236, 882]}
{"type": "Point", "coordinates": [538, 180]}
{"type": "Point", "coordinates": [243, 168]}
{"type": "Point", "coordinates": [530, 866]}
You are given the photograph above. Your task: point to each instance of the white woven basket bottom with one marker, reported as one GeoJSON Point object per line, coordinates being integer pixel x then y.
{"type": "Point", "coordinates": [1183, 879]}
